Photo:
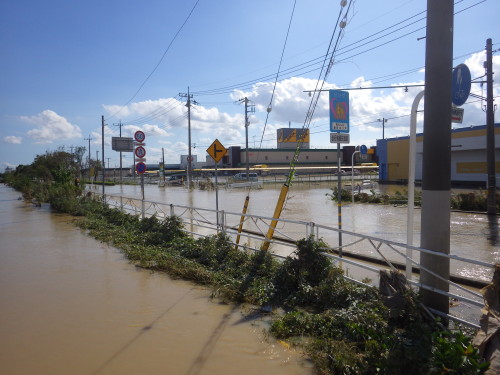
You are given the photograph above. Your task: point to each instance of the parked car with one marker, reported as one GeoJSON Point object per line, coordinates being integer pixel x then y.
{"type": "Point", "coordinates": [243, 177]}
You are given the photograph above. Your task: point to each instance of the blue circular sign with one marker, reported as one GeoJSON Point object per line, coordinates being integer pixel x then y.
{"type": "Point", "coordinates": [363, 149]}
{"type": "Point", "coordinates": [140, 167]}
{"type": "Point", "coordinates": [460, 84]}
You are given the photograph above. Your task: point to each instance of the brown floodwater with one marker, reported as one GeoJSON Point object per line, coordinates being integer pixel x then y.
{"type": "Point", "coordinates": [73, 305]}
{"type": "Point", "coordinates": [472, 235]}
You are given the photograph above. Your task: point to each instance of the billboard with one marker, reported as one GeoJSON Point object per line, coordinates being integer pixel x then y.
{"type": "Point", "coordinates": [290, 135]}
{"type": "Point", "coordinates": [122, 144]}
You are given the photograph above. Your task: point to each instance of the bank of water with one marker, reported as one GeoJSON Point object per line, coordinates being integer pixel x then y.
{"type": "Point", "coordinates": [72, 305]}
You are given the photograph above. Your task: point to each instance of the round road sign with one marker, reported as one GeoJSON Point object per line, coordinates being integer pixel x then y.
{"type": "Point", "coordinates": [460, 84]}
{"type": "Point", "coordinates": [139, 136]}
{"type": "Point", "coordinates": [140, 152]}
{"type": "Point", "coordinates": [363, 149]}
{"type": "Point", "coordinates": [140, 167]}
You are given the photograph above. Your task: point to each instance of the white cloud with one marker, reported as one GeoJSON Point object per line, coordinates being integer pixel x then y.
{"type": "Point", "coordinates": [51, 127]}
{"type": "Point", "coordinates": [155, 130]}
{"type": "Point", "coordinates": [12, 139]}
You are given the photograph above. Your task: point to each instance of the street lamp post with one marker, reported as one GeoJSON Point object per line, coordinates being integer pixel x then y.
{"type": "Point", "coordinates": [352, 175]}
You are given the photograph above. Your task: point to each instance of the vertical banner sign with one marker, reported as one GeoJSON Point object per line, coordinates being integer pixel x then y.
{"type": "Point", "coordinates": [339, 111]}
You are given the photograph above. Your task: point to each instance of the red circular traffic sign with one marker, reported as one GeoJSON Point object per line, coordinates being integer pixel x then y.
{"type": "Point", "coordinates": [139, 136]}
{"type": "Point", "coordinates": [140, 152]}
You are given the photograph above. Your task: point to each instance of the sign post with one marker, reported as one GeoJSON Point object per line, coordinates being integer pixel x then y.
{"type": "Point", "coordinates": [216, 151]}
{"type": "Point", "coordinates": [339, 123]}
{"type": "Point", "coordinates": [140, 167]}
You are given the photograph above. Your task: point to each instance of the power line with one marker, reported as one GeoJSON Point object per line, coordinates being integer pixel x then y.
{"type": "Point", "coordinates": [160, 61]}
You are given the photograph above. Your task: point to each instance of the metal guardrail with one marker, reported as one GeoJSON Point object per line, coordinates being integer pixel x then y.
{"type": "Point", "coordinates": [202, 222]}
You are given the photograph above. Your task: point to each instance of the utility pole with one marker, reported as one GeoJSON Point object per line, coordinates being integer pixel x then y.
{"type": "Point", "coordinates": [120, 126]}
{"type": "Point", "coordinates": [248, 108]}
{"type": "Point", "coordinates": [383, 121]}
{"type": "Point", "coordinates": [103, 164]}
{"type": "Point", "coordinates": [490, 131]}
{"type": "Point", "coordinates": [436, 166]}
{"type": "Point", "coordinates": [88, 139]}
{"type": "Point", "coordinates": [190, 158]}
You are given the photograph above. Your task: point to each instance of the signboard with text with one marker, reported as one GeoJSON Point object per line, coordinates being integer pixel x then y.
{"type": "Point", "coordinates": [339, 138]}
{"type": "Point", "coordinates": [339, 111]}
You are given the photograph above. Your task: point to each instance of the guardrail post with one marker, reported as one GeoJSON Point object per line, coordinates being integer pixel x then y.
{"type": "Point", "coordinates": [222, 223]}
{"type": "Point", "coordinates": [310, 229]}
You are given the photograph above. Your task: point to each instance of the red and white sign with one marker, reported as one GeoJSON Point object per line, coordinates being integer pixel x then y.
{"type": "Point", "coordinates": [139, 136]}
{"type": "Point", "coordinates": [140, 152]}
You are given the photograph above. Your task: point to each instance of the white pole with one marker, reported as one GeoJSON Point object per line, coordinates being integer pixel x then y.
{"type": "Point", "coordinates": [411, 182]}
{"type": "Point", "coordinates": [352, 175]}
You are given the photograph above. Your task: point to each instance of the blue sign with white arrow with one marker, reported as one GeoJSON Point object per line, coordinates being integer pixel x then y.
{"type": "Point", "coordinates": [460, 84]}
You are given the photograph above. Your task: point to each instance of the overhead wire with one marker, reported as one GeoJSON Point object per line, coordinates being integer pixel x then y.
{"type": "Point", "coordinates": [159, 62]}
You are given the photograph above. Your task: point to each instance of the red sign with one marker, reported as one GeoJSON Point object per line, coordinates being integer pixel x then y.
{"type": "Point", "coordinates": [140, 152]}
{"type": "Point", "coordinates": [139, 136]}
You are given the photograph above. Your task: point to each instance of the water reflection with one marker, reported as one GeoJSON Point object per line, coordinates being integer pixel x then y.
{"type": "Point", "coordinates": [493, 233]}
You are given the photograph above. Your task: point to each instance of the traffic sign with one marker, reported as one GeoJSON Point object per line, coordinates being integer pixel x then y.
{"type": "Point", "coordinates": [363, 149]}
{"type": "Point", "coordinates": [140, 167]}
{"type": "Point", "coordinates": [216, 150]}
{"type": "Point", "coordinates": [139, 136]}
{"type": "Point", "coordinates": [140, 152]}
{"type": "Point", "coordinates": [460, 84]}
{"type": "Point", "coordinates": [339, 138]}
{"type": "Point", "coordinates": [339, 111]}
{"type": "Point", "coordinates": [457, 114]}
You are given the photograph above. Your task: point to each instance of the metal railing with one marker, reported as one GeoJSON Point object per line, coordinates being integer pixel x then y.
{"type": "Point", "coordinates": [361, 256]}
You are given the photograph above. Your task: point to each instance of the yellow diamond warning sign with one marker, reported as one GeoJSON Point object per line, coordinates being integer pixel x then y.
{"type": "Point", "coordinates": [216, 150]}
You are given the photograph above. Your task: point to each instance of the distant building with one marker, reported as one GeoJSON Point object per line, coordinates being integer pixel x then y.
{"type": "Point", "coordinates": [468, 157]}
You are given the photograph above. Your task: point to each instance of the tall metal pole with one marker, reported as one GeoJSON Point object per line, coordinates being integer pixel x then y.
{"type": "Point", "coordinates": [103, 163]}
{"type": "Point", "coordinates": [411, 183]}
{"type": "Point", "coordinates": [120, 126]}
{"type": "Point", "coordinates": [246, 138]}
{"type": "Point", "coordinates": [189, 140]}
{"type": "Point", "coordinates": [352, 175]}
{"type": "Point", "coordinates": [339, 199]}
{"type": "Point", "coordinates": [490, 131]}
{"type": "Point", "coordinates": [435, 227]}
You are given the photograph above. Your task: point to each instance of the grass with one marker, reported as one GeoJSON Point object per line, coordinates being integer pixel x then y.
{"type": "Point", "coordinates": [343, 327]}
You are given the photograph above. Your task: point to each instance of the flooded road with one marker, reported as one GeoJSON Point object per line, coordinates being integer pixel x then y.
{"type": "Point", "coordinates": [475, 236]}
{"type": "Point", "coordinates": [72, 305]}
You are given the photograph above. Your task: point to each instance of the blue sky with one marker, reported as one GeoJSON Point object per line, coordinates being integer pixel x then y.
{"type": "Point", "coordinates": [66, 63]}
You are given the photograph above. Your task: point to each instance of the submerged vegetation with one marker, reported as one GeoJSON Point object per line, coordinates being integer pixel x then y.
{"type": "Point", "coordinates": [344, 328]}
{"type": "Point", "coordinates": [472, 201]}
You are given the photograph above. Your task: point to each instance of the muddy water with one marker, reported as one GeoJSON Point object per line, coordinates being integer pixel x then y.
{"type": "Point", "coordinates": [475, 236]}
{"type": "Point", "coordinates": [72, 305]}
